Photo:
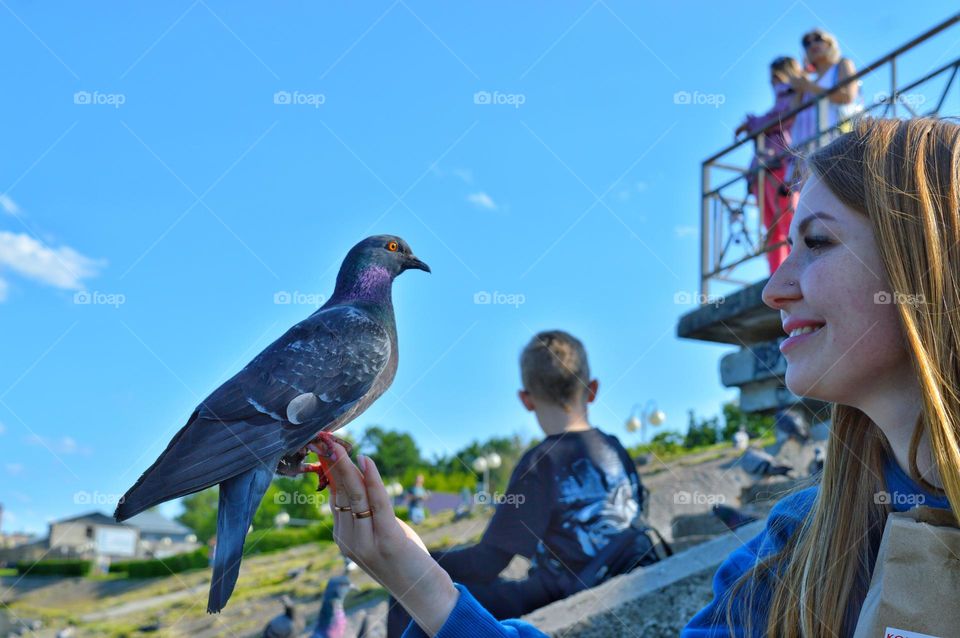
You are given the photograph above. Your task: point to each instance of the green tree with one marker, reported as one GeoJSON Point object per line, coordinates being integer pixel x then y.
{"type": "Point", "coordinates": [393, 452]}
{"type": "Point", "coordinates": [755, 424]}
{"type": "Point", "coordinates": [200, 513]}
{"type": "Point", "coordinates": [701, 432]}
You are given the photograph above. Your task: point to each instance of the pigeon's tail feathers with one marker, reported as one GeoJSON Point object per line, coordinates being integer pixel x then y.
{"type": "Point", "coordinates": [203, 453]}
{"type": "Point", "coordinates": [239, 498]}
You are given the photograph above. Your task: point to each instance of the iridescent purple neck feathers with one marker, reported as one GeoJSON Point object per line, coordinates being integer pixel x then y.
{"type": "Point", "coordinates": [372, 284]}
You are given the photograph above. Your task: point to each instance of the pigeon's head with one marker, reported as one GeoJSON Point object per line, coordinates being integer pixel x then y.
{"type": "Point", "coordinates": [337, 588]}
{"type": "Point", "coordinates": [388, 252]}
{"type": "Point", "coordinates": [370, 267]}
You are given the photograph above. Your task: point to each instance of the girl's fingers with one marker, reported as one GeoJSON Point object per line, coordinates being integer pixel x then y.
{"type": "Point", "coordinates": [377, 494]}
{"type": "Point", "coordinates": [351, 492]}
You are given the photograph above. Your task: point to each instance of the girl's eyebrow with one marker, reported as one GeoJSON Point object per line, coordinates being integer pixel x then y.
{"type": "Point", "coordinates": [802, 226]}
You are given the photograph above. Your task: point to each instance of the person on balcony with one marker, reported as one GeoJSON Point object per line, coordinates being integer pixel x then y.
{"type": "Point", "coordinates": [769, 165]}
{"type": "Point", "coordinates": [822, 57]}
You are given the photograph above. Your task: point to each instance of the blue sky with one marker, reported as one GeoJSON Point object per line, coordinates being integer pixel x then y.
{"type": "Point", "coordinates": [179, 165]}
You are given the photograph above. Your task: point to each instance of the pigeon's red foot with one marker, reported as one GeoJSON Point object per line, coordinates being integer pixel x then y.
{"type": "Point", "coordinates": [320, 468]}
{"type": "Point", "coordinates": [322, 444]}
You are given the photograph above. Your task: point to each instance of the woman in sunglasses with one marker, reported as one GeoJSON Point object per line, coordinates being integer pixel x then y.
{"type": "Point", "coordinates": [822, 57]}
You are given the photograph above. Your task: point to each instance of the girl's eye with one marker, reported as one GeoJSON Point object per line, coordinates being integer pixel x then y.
{"type": "Point", "coordinates": [815, 243]}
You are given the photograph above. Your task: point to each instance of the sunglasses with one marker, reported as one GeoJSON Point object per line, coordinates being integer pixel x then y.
{"type": "Point", "coordinates": [810, 39]}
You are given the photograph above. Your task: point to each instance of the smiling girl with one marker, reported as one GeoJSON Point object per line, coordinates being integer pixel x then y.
{"type": "Point", "coordinates": [870, 295]}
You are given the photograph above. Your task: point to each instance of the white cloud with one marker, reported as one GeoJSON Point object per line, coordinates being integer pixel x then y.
{"type": "Point", "coordinates": [14, 468]}
{"type": "Point", "coordinates": [62, 445]}
{"type": "Point", "coordinates": [62, 267]}
{"type": "Point", "coordinates": [482, 200]}
{"type": "Point", "coordinates": [8, 204]}
{"type": "Point", "coordinates": [3, 428]}
{"type": "Point", "coordinates": [685, 231]}
{"type": "Point", "coordinates": [642, 186]}
{"type": "Point", "coordinates": [464, 173]}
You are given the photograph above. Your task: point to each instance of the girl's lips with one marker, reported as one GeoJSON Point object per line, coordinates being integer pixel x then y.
{"type": "Point", "coordinates": [792, 342]}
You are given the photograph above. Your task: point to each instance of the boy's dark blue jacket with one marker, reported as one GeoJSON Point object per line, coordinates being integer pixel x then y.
{"type": "Point", "coordinates": [469, 619]}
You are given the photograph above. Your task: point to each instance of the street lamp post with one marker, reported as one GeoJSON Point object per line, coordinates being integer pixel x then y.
{"type": "Point", "coordinates": [641, 419]}
{"type": "Point", "coordinates": [483, 465]}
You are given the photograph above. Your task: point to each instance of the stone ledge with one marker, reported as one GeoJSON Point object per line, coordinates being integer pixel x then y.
{"type": "Point", "coordinates": [650, 602]}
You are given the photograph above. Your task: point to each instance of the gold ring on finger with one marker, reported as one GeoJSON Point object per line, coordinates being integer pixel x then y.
{"type": "Point", "coordinates": [363, 514]}
{"type": "Point", "coordinates": [346, 508]}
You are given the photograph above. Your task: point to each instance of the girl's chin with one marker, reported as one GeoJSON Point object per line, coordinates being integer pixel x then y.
{"type": "Point", "coordinates": [803, 383]}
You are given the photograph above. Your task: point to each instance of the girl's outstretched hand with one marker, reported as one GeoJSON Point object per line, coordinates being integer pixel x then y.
{"type": "Point", "coordinates": [385, 547]}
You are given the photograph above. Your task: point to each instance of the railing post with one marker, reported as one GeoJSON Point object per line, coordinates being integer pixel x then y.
{"type": "Point", "coordinates": [822, 105]}
{"type": "Point", "coordinates": [761, 186]}
{"type": "Point", "coordinates": [704, 230]}
{"type": "Point", "coordinates": [893, 87]}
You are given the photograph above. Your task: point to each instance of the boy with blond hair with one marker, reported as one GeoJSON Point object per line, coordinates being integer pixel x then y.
{"type": "Point", "coordinates": [567, 498]}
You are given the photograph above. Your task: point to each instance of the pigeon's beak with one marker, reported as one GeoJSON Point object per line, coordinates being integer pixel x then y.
{"type": "Point", "coordinates": [413, 262]}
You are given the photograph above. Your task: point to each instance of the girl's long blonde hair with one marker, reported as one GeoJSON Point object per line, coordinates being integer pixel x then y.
{"type": "Point", "coordinates": [905, 177]}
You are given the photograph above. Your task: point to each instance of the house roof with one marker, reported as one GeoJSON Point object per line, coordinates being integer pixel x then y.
{"type": "Point", "coordinates": [153, 522]}
{"type": "Point", "coordinates": [98, 518]}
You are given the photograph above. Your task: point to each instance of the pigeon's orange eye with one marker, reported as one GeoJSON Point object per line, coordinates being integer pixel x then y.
{"type": "Point", "coordinates": [393, 246]}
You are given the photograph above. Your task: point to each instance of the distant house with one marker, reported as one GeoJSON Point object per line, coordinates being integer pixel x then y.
{"type": "Point", "coordinates": [92, 534]}
{"type": "Point", "coordinates": [160, 536]}
{"type": "Point", "coordinates": [96, 536]}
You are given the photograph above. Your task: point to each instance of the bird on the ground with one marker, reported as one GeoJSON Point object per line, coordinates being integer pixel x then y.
{"type": "Point", "coordinates": [318, 376]}
{"type": "Point", "coordinates": [289, 624]}
{"type": "Point", "coordinates": [296, 572]}
{"type": "Point", "coordinates": [731, 516]}
{"type": "Point", "coordinates": [761, 464]}
{"type": "Point", "coordinates": [332, 620]}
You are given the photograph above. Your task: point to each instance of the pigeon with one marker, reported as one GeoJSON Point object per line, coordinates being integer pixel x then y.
{"type": "Point", "coordinates": [318, 376]}
{"type": "Point", "coordinates": [332, 621]}
{"type": "Point", "coordinates": [789, 424]}
{"type": "Point", "coordinates": [296, 572]}
{"type": "Point", "coordinates": [761, 464]}
{"type": "Point", "coordinates": [286, 625]}
{"type": "Point", "coordinates": [732, 517]}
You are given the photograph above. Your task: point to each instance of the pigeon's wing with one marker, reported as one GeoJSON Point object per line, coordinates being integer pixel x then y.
{"type": "Point", "coordinates": [305, 380]}
{"type": "Point", "coordinates": [327, 361]}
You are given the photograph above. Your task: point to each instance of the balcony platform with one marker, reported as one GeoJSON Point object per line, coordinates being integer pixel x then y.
{"type": "Point", "coordinates": [740, 319]}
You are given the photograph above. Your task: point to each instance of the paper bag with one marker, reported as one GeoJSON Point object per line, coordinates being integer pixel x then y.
{"type": "Point", "coordinates": [915, 588]}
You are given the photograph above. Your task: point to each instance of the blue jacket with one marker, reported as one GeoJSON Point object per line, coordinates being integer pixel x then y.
{"type": "Point", "coordinates": [468, 619]}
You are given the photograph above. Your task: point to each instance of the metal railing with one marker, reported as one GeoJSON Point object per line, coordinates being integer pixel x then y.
{"type": "Point", "coordinates": [732, 234]}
